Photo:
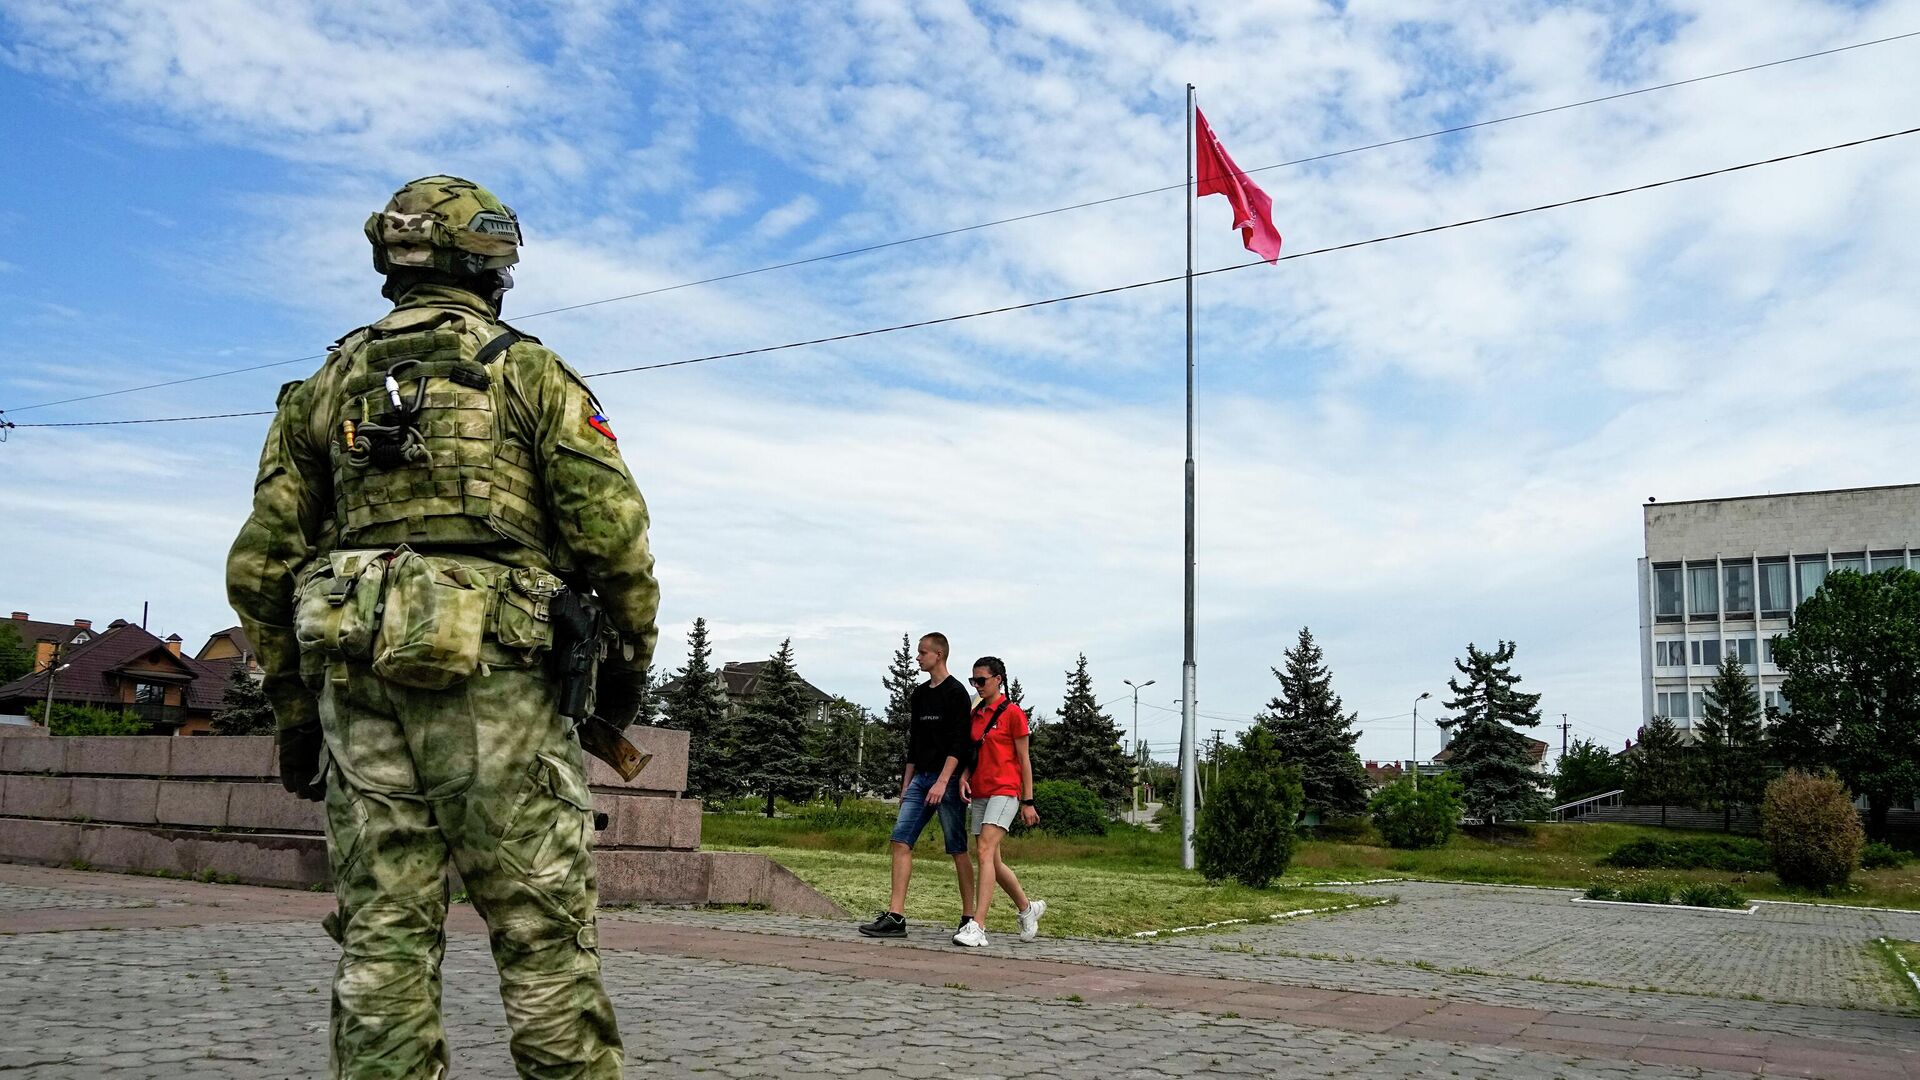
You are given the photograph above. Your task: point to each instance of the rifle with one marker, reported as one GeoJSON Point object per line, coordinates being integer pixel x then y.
{"type": "Point", "coordinates": [580, 641]}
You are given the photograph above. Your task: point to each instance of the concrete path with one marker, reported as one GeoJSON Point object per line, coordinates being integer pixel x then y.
{"type": "Point", "coordinates": [128, 977]}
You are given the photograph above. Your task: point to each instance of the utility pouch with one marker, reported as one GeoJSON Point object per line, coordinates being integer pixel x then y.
{"type": "Point", "coordinates": [435, 618]}
{"type": "Point", "coordinates": [337, 609]}
{"type": "Point", "coordinates": [523, 616]}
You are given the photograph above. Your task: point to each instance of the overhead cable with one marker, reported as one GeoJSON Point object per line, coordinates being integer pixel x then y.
{"type": "Point", "coordinates": [1327, 250]}
{"type": "Point", "coordinates": [1031, 215]}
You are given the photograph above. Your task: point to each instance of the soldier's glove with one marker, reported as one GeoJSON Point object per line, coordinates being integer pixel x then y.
{"type": "Point", "coordinates": [300, 761]}
{"type": "Point", "coordinates": [617, 692]}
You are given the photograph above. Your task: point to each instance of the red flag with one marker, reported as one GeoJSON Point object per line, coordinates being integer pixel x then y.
{"type": "Point", "coordinates": [1216, 174]}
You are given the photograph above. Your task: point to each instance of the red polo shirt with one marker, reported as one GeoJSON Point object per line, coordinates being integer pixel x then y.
{"type": "Point", "coordinates": [997, 770]}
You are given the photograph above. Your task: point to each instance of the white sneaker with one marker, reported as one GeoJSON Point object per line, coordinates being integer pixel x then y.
{"type": "Point", "coordinates": [1030, 919]}
{"type": "Point", "coordinates": [971, 936]}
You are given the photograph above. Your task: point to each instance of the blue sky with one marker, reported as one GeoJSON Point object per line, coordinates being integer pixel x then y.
{"type": "Point", "coordinates": [1406, 447]}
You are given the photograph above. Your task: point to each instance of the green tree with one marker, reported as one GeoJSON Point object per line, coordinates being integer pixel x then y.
{"type": "Point", "coordinates": [697, 705]}
{"type": "Point", "coordinates": [1083, 745]}
{"type": "Point", "coordinates": [1314, 732]}
{"type": "Point", "coordinates": [244, 708]}
{"type": "Point", "coordinates": [770, 755]}
{"type": "Point", "coordinates": [1728, 750]}
{"type": "Point", "coordinates": [89, 720]}
{"type": "Point", "coordinates": [1852, 661]}
{"type": "Point", "coordinates": [1657, 769]}
{"type": "Point", "coordinates": [16, 656]}
{"type": "Point", "coordinates": [1417, 817]}
{"type": "Point", "coordinates": [1246, 829]}
{"type": "Point", "coordinates": [650, 699]}
{"type": "Point", "coordinates": [1587, 768]}
{"type": "Point", "coordinates": [836, 749]}
{"type": "Point", "coordinates": [903, 674]}
{"type": "Point", "coordinates": [1490, 758]}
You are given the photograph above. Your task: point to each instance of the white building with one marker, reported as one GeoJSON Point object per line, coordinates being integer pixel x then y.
{"type": "Point", "coordinates": [1721, 576]}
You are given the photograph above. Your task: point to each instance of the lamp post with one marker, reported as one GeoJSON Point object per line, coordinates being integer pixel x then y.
{"type": "Point", "coordinates": [1415, 764]}
{"type": "Point", "coordinates": [46, 718]}
{"type": "Point", "coordinates": [1136, 742]}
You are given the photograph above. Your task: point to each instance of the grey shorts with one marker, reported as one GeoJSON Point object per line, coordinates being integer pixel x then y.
{"type": "Point", "coordinates": [993, 810]}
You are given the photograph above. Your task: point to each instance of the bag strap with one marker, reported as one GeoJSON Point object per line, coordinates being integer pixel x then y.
{"type": "Point", "coordinates": [992, 722]}
{"type": "Point", "coordinates": [500, 343]}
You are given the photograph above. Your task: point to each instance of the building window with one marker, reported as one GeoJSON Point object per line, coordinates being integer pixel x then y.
{"type": "Point", "coordinates": [1666, 593]}
{"type": "Point", "coordinates": [149, 694]}
{"type": "Point", "coordinates": [1739, 584]}
{"type": "Point", "coordinates": [1672, 706]}
{"type": "Point", "coordinates": [1741, 649]}
{"type": "Point", "coordinates": [1855, 562]}
{"type": "Point", "coordinates": [1813, 571]}
{"type": "Point", "coordinates": [1767, 649]}
{"type": "Point", "coordinates": [1777, 702]}
{"type": "Point", "coordinates": [1700, 703]}
{"type": "Point", "coordinates": [1888, 560]}
{"type": "Point", "coordinates": [1776, 590]}
{"type": "Point", "coordinates": [1670, 653]}
{"type": "Point", "coordinates": [1703, 592]}
{"type": "Point", "coordinates": [1706, 653]}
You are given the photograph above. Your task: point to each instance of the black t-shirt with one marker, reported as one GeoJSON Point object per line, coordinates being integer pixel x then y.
{"type": "Point", "coordinates": [941, 728]}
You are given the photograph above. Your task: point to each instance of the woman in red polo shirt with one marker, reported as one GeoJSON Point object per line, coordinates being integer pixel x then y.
{"type": "Point", "coordinates": [1001, 784]}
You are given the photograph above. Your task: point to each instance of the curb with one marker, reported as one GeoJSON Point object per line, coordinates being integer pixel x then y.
{"type": "Point", "coordinates": [1748, 910]}
{"type": "Point", "coordinates": [1277, 917]}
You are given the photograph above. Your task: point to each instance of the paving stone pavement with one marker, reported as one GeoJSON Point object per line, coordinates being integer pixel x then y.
{"type": "Point", "coordinates": [251, 1001]}
{"type": "Point", "coordinates": [232, 981]}
{"type": "Point", "coordinates": [1812, 968]}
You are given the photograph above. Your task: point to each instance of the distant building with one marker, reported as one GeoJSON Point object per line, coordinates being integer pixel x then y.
{"type": "Point", "coordinates": [46, 638]}
{"type": "Point", "coordinates": [738, 680]}
{"type": "Point", "coordinates": [1721, 576]}
{"type": "Point", "coordinates": [126, 668]}
{"type": "Point", "coordinates": [1536, 752]}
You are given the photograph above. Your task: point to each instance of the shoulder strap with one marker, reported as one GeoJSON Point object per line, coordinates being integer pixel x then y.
{"type": "Point", "coordinates": [492, 349]}
{"type": "Point", "coordinates": [994, 720]}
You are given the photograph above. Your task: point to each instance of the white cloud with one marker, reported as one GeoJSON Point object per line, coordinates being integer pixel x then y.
{"type": "Point", "coordinates": [1407, 447]}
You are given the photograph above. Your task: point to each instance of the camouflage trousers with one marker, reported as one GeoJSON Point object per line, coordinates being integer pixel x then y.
{"type": "Point", "coordinates": [486, 774]}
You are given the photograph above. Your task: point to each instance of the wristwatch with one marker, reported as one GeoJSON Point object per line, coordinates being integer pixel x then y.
{"type": "Point", "coordinates": [1026, 802]}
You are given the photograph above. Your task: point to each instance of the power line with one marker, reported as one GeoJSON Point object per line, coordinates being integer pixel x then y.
{"type": "Point", "coordinates": [1031, 215]}
{"type": "Point", "coordinates": [1327, 250]}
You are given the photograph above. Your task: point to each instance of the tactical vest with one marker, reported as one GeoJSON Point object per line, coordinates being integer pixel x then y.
{"type": "Point", "coordinates": [421, 453]}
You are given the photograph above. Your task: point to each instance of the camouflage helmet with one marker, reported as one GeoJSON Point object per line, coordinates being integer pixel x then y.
{"type": "Point", "coordinates": [444, 223]}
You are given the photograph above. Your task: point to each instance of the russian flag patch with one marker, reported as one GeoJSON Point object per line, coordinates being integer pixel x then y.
{"type": "Point", "coordinates": [599, 423]}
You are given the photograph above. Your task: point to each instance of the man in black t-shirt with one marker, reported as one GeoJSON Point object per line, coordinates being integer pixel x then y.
{"type": "Point", "coordinates": [939, 741]}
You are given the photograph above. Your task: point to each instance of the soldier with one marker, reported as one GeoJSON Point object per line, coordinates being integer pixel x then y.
{"type": "Point", "coordinates": [428, 504]}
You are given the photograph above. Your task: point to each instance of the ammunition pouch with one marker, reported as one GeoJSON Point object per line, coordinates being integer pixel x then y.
{"type": "Point", "coordinates": [337, 605]}
{"type": "Point", "coordinates": [433, 621]}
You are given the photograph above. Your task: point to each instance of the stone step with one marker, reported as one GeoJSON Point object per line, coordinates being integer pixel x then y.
{"type": "Point", "coordinates": [633, 821]}
{"type": "Point", "coordinates": [626, 876]}
{"type": "Point", "coordinates": [252, 757]}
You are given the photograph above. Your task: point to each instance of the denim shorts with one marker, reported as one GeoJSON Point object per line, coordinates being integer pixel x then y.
{"type": "Point", "coordinates": [915, 813]}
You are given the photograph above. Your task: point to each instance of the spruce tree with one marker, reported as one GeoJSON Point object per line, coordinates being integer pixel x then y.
{"type": "Point", "coordinates": [770, 755]}
{"type": "Point", "coordinates": [835, 747]}
{"type": "Point", "coordinates": [1083, 745]}
{"type": "Point", "coordinates": [697, 705]}
{"type": "Point", "coordinates": [1313, 732]}
{"type": "Point", "coordinates": [1490, 758]}
{"type": "Point", "coordinates": [244, 708]}
{"type": "Point", "coordinates": [1657, 766]}
{"type": "Point", "coordinates": [1731, 768]}
{"type": "Point", "coordinates": [16, 656]}
{"type": "Point", "coordinates": [901, 677]}
{"type": "Point", "coordinates": [883, 755]}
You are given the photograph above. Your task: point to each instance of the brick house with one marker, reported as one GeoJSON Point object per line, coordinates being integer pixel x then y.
{"type": "Point", "coordinates": [126, 668]}
{"type": "Point", "coordinates": [739, 678]}
{"type": "Point", "coordinates": [47, 638]}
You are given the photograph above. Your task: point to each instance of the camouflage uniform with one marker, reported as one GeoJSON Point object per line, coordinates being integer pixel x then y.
{"type": "Point", "coordinates": [396, 589]}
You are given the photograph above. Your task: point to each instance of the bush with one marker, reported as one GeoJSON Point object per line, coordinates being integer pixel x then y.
{"type": "Point", "coordinates": [1423, 818]}
{"type": "Point", "coordinates": [1879, 856]}
{"type": "Point", "coordinates": [1734, 853]}
{"type": "Point", "coordinates": [1246, 828]}
{"type": "Point", "coordinates": [1710, 894]}
{"type": "Point", "coordinates": [1647, 892]}
{"type": "Point", "coordinates": [864, 815]}
{"type": "Point", "coordinates": [1346, 830]}
{"type": "Point", "coordinates": [1602, 892]}
{"type": "Point", "coordinates": [1067, 808]}
{"type": "Point", "coordinates": [1812, 831]}
{"type": "Point", "coordinates": [90, 720]}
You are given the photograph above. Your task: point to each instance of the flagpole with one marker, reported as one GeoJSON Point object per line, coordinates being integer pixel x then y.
{"type": "Point", "coordinates": [1189, 762]}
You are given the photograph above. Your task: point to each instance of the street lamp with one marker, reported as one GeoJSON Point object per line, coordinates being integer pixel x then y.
{"type": "Point", "coordinates": [46, 718]}
{"type": "Point", "coordinates": [1136, 743]}
{"type": "Point", "coordinates": [1415, 764]}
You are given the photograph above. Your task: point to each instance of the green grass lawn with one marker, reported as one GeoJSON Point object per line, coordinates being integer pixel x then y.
{"type": "Point", "coordinates": [1130, 880]}
{"type": "Point", "coordinates": [1110, 886]}
{"type": "Point", "coordinates": [1569, 856]}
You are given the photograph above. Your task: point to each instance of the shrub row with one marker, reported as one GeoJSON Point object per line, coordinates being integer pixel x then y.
{"type": "Point", "coordinates": [1733, 853]}
{"type": "Point", "coordinates": [1691, 894]}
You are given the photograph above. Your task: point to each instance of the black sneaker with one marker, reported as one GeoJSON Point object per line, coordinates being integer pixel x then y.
{"type": "Point", "coordinates": [885, 924]}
